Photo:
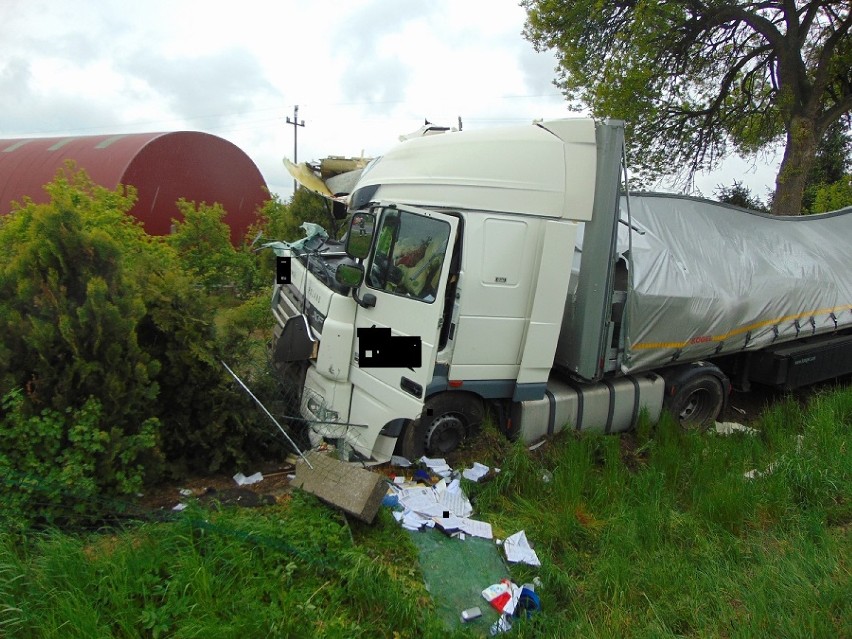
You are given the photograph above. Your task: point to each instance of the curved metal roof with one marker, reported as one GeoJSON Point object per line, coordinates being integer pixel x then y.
{"type": "Point", "coordinates": [162, 166]}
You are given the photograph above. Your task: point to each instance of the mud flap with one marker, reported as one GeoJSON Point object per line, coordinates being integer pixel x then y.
{"type": "Point", "coordinates": [295, 342]}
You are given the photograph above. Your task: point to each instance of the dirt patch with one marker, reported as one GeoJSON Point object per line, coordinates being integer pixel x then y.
{"type": "Point", "coordinates": [222, 488]}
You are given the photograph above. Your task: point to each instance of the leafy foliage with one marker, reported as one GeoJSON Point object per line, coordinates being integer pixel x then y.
{"type": "Point", "coordinates": [109, 355]}
{"type": "Point", "coordinates": [830, 181]}
{"type": "Point", "coordinates": [740, 195]}
{"type": "Point", "coordinates": [202, 241]}
{"type": "Point", "coordinates": [283, 221]}
{"type": "Point", "coordinates": [61, 462]}
{"type": "Point", "coordinates": [695, 80]}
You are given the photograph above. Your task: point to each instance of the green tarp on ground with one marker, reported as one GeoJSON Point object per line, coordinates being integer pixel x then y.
{"type": "Point", "coordinates": [456, 572]}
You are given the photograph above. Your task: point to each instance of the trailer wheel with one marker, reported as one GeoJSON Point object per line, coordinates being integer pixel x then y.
{"type": "Point", "coordinates": [697, 403]}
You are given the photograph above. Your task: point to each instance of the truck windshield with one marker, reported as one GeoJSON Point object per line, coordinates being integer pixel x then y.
{"type": "Point", "coordinates": [408, 255]}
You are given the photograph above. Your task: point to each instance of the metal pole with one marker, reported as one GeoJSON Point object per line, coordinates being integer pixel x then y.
{"type": "Point", "coordinates": [296, 124]}
{"type": "Point", "coordinates": [268, 414]}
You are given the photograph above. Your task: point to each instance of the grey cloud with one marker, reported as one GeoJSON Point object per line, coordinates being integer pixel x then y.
{"type": "Point", "coordinates": [217, 85]}
{"type": "Point", "coordinates": [539, 71]}
{"type": "Point", "coordinates": [366, 75]}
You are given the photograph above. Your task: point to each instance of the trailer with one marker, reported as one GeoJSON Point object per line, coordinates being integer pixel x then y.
{"type": "Point", "coordinates": [510, 271]}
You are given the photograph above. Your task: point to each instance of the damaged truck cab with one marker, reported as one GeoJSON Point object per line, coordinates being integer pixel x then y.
{"type": "Point", "coordinates": [495, 271]}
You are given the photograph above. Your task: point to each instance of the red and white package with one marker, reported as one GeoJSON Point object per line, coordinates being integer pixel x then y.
{"type": "Point", "coordinates": [503, 597]}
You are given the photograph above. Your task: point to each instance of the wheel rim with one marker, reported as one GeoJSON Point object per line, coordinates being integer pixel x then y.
{"type": "Point", "coordinates": [445, 434]}
{"type": "Point", "coordinates": [697, 407]}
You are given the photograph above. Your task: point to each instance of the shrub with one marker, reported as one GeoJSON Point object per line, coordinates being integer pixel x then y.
{"type": "Point", "coordinates": [104, 338]}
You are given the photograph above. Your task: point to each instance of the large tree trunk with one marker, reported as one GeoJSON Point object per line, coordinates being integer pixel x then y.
{"type": "Point", "coordinates": [793, 174]}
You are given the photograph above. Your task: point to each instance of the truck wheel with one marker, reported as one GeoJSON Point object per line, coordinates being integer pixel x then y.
{"type": "Point", "coordinates": [698, 402]}
{"type": "Point", "coordinates": [449, 418]}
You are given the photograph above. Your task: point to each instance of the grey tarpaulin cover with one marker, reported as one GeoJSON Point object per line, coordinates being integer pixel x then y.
{"type": "Point", "coordinates": [708, 278]}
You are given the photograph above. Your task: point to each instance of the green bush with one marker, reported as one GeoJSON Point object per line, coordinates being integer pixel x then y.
{"type": "Point", "coordinates": [202, 242]}
{"type": "Point", "coordinates": [63, 461]}
{"type": "Point", "coordinates": [105, 337]}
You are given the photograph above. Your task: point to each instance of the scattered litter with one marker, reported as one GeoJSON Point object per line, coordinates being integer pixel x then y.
{"type": "Point", "coordinates": [739, 410]}
{"type": "Point", "coordinates": [537, 445]}
{"type": "Point", "coordinates": [399, 480]}
{"type": "Point", "coordinates": [439, 466]}
{"type": "Point", "coordinates": [179, 507]}
{"type": "Point", "coordinates": [503, 624]}
{"type": "Point", "coordinates": [470, 614]}
{"type": "Point", "coordinates": [518, 549]}
{"type": "Point", "coordinates": [729, 428]}
{"type": "Point", "coordinates": [510, 599]}
{"type": "Point", "coordinates": [185, 492]}
{"type": "Point", "coordinates": [528, 601]}
{"type": "Point", "coordinates": [756, 474]}
{"type": "Point", "coordinates": [546, 476]}
{"type": "Point", "coordinates": [242, 480]}
{"type": "Point", "coordinates": [503, 596]}
{"type": "Point", "coordinates": [402, 462]}
{"type": "Point", "coordinates": [477, 472]}
{"type": "Point", "coordinates": [422, 477]}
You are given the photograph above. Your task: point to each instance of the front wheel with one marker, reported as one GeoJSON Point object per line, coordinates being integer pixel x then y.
{"type": "Point", "coordinates": [447, 419]}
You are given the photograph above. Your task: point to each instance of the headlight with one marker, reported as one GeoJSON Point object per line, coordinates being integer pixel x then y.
{"type": "Point", "coordinates": [316, 406]}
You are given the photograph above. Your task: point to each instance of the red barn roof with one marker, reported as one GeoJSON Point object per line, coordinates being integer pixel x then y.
{"type": "Point", "coordinates": [162, 166]}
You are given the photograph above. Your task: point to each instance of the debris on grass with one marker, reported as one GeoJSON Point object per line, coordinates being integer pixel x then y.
{"type": "Point", "coordinates": [476, 472]}
{"type": "Point", "coordinates": [518, 549]}
{"type": "Point", "coordinates": [729, 428]}
{"type": "Point", "coordinates": [242, 480]}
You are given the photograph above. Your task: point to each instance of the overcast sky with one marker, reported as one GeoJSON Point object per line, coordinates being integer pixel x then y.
{"type": "Point", "coordinates": [363, 72]}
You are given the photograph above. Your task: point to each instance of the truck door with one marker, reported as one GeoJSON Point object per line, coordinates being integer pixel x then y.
{"type": "Point", "coordinates": [397, 338]}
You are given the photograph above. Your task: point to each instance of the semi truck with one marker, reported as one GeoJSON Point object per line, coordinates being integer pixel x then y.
{"type": "Point", "coordinates": [511, 272]}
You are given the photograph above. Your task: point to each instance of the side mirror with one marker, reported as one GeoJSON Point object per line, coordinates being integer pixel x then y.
{"type": "Point", "coordinates": [352, 275]}
{"type": "Point", "coordinates": [359, 240]}
{"type": "Point", "coordinates": [349, 275]}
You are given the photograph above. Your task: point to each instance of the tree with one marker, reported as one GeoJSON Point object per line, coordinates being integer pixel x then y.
{"type": "Point", "coordinates": [694, 78]}
{"type": "Point", "coordinates": [829, 185]}
{"type": "Point", "coordinates": [740, 195]}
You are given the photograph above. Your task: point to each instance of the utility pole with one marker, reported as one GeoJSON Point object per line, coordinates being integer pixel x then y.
{"type": "Point", "coordinates": [296, 124]}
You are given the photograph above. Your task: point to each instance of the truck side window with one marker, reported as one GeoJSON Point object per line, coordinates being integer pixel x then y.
{"type": "Point", "coordinates": [408, 255]}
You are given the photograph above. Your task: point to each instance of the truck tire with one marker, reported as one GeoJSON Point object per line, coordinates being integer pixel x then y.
{"type": "Point", "coordinates": [697, 402]}
{"type": "Point", "coordinates": [448, 418]}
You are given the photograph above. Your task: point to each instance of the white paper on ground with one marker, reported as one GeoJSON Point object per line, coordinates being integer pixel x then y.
{"type": "Point", "coordinates": [242, 480]}
{"type": "Point", "coordinates": [476, 528]}
{"type": "Point", "coordinates": [417, 499]}
{"type": "Point", "coordinates": [437, 465]}
{"type": "Point", "coordinates": [477, 472]}
{"type": "Point", "coordinates": [729, 428]}
{"type": "Point", "coordinates": [400, 461]}
{"type": "Point", "coordinates": [456, 503]}
{"type": "Point", "coordinates": [755, 474]}
{"type": "Point", "coordinates": [518, 549]}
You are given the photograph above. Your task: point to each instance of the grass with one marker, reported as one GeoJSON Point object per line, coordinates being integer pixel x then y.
{"type": "Point", "coordinates": [653, 534]}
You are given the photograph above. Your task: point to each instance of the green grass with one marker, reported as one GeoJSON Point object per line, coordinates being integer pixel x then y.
{"type": "Point", "coordinates": [654, 534]}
